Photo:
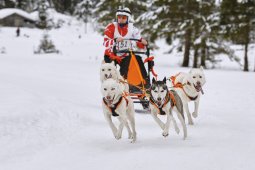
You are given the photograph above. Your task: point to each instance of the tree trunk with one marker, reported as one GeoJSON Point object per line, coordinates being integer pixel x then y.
{"type": "Point", "coordinates": [195, 57]}
{"type": "Point", "coordinates": [254, 64]}
{"type": "Point", "coordinates": [203, 53]}
{"type": "Point", "coordinates": [85, 27]}
{"type": "Point", "coordinates": [247, 38]}
{"type": "Point", "coordinates": [246, 63]}
{"type": "Point", "coordinates": [187, 47]}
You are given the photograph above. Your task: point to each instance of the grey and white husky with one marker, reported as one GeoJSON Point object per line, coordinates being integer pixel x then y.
{"type": "Point", "coordinates": [116, 104]}
{"type": "Point", "coordinates": [162, 102]}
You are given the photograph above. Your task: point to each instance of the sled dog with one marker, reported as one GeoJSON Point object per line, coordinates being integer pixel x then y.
{"type": "Point", "coordinates": [117, 104]}
{"type": "Point", "coordinates": [162, 102]}
{"type": "Point", "coordinates": [109, 70]}
{"type": "Point", "coordinates": [188, 86]}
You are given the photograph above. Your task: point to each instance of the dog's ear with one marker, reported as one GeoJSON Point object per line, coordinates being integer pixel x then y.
{"type": "Point", "coordinates": [117, 66]}
{"type": "Point", "coordinates": [201, 68]}
{"type": "Point", "coordinates": [153, 80]}
{"type": "Point", "coordinates": [164, 80]}
{"type": "Point", "coordinates": [113, 63]}
{"type": "Point", "coordinates": [103, 62]}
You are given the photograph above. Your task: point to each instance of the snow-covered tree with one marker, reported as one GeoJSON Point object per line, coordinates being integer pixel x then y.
{"type": "Point", "coordinates": [65, 6]}
{"type": "Point", "coordinates": [22, 4]}
{"type": "Point", "coordinates": [7, 3]}
{"type": "Point", "coordinates": [206, 32]}
{"type": "Point", "coordinates": [42, 12]}
{"type": "Point", "coordinates": [46, 46]}
{"type": "Point", "coordinates": [83, 11]}
{"type": "Point", "coordinates": [171, 20]}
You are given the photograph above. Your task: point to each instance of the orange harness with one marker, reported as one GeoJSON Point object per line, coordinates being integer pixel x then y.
{"type": "Point", "coordinates": [113, 107]}
{"type": "Point", "coordinates": [180, 85]}
{"type": "Point", "coordinates": [169, 97]}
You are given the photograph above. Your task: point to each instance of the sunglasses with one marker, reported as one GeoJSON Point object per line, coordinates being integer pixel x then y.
{"type": "Point", "coordinates": [122, 17]}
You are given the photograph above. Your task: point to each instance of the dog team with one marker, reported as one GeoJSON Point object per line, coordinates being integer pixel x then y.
{"type": "Point", "coordinates": [163, 100]}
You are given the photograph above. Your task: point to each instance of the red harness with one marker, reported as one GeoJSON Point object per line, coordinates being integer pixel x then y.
{"type": "Point", "coordinates": [180, 85]}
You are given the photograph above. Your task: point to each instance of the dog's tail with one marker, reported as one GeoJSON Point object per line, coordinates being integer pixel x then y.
{"type": "Point", "coordinates": [178, 102]}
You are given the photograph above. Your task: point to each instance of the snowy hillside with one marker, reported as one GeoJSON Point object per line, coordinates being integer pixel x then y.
{"type": "Point", "coordinates": [51, 116]}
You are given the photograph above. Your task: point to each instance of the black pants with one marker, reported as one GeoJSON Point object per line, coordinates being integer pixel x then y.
{"type": "Point", "coordinates": [125, 64]}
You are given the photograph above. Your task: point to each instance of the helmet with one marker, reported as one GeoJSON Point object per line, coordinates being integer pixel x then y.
{"type": "Point", "coordinates": [124, 11]}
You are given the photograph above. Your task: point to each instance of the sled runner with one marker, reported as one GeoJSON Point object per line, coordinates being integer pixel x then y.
{"type": "Point", "coordinates": [134, 69]}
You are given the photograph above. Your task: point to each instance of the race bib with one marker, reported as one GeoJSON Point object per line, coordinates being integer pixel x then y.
{"type": "Point", "coordinates": [126, 45]}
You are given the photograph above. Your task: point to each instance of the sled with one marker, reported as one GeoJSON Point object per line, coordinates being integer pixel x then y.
{"type": "Point", "coordinates": [138, 72]}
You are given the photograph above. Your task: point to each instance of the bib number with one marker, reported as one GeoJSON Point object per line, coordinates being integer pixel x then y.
{"type": "Point", "coordinates": [125, 45]}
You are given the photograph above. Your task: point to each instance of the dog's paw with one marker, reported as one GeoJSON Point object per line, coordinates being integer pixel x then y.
{"type": "Point", "coordinates": [165, 133]}
{"type": "Point", "coordinates": [177, 130]}
{"type": "Point", "coordinates": [194, 114]}
{"type": "Point", "coordinates": [191, 123]}
{"type": "Point", "coordinates": [133, 139]}
{"type": "Point", "coordinates": [117, 135]}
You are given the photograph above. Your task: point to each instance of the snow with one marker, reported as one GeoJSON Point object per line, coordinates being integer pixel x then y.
{"type": "Point", "coordinates": [10, 11]}
{"type": "Point", "coordinates": [51, 116]}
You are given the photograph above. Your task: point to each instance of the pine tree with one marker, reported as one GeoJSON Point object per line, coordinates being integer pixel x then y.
{"type": "Point", "coordinates": [171, 20]}
{"type": "Point", "coordinates": [237, 23]}
{"type": "Point", "coordinates": [46, 45]}
{"type": "Point", "coordinates": [208, 31]}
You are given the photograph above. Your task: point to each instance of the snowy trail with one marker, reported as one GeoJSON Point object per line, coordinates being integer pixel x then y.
{"type": "Point", "coordinates": [51, 118]}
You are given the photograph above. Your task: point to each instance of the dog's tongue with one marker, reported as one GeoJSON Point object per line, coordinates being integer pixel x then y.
{"type": "Point", "coordinates": [199, 88]}
{"type": "Point", "coordinates": [202, 91]}
{"type": "Point", "coordinates": [108, 76]}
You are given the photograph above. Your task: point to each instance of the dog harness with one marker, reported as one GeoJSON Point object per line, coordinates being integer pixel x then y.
{"type": "Point", "coordinates": [169, 97]}
{"type": "Point", "coordinates": [180, 85]}
{"type": "Point", "coordinates": [113, 107]}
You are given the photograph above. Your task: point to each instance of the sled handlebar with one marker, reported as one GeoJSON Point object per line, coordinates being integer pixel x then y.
{"type": "Point", "coordinates": [131, 39]}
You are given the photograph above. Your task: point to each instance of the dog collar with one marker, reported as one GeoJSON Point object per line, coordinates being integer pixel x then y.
{"type": "Point", "coordinates": [179, 85]}
{"type": "Point", "coordinates": [160, 108]}
{"type": "Point", "coordinates": [113, 107]}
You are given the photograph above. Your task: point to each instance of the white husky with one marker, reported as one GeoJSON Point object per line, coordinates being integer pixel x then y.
{"type": "Point", "coordinates": [188, 86]}
{"type": "Point", "coordinates": [109, 70]}
{"type": "Point", "coordinates": [115, 104]}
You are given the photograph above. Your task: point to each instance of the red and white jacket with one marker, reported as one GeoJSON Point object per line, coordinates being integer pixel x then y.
{"type": "Point", "coordinates": [113, 31]}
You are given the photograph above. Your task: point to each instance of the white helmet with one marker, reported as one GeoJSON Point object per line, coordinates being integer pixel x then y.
{"type": "Point", "coordinates": [124, 11]}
